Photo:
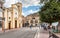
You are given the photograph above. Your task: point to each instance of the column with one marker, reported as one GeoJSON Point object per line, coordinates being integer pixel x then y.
{"type": "Point", "coordinates": [6, 19]}
{"type": "Point", "coordinates": [19, 22]}
{"type": "Point", "coordinates": [13, 19]}
{"type": "Point", "coordinates": [3, 20]}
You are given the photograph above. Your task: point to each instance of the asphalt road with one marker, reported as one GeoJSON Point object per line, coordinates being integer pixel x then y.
{"type": "Point", "coordinates": [20, 33]}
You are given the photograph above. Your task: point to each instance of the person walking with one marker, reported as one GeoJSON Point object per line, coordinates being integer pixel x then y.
{"type": "Point", "coordinates": [30, 25]}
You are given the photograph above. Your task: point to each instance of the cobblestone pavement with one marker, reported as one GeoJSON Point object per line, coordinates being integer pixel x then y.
{"type": "Point", "coordinates": [20, 33]}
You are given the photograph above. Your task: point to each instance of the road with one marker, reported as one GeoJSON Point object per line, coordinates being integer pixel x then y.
{"type": "Point", "coordinates": [20, 33]}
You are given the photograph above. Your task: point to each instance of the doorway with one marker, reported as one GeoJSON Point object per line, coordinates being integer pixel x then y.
{"type": "Point", "coordinates": [15, 23]}
{"type": "Point", "coordinates": [0, 24]}
{"type": "Point", "coordinates": [9, 24]}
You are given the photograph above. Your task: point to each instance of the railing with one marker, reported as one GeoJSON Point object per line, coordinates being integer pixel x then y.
{"type": "Point", "coordinates": [52, 35]}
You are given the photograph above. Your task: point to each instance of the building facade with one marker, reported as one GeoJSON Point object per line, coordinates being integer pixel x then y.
{"type": "Point", "coordinates": [23, 21]}
{"type": "Point", "coordinates": [32, 20]}
{"type": "Point", "coordinates": [1, 11]}
{"type": "Point", "coordinates": [12, 17]}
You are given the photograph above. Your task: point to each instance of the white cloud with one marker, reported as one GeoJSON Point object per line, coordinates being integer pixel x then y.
{"type": "Point", "coordinates": [25, 3]}
{"type": "Point", "coordinates": [23, 14]}
{"type": "Point", "coordinates": [9, 2]}
{"type": "Point", "coordinates": [31, 11]}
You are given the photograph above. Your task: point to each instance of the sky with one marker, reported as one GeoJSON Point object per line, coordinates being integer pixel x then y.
{"type": "Point", "coordinates": [28, 6]}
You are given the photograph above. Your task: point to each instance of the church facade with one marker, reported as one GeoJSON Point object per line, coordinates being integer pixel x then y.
{"type": "Point", "coordinates": [12, 16]}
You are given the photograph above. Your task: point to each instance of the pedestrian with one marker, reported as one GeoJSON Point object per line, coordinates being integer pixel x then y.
{"type": "Point", "coordinates": [30, 25]}
{"type": "Point", "coordinates": [53, 28]}
{"type": "Point", "coordinates": [48, 27]}
{"type": "Point", "coordinates": [45, 27]}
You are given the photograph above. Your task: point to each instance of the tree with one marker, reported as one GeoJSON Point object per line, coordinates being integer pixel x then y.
{"type": "Point", "coordinates": [41, 1]}
{"type": "Point", "coordinates": [50, 12]}
{"type": "Point", "coordinates": [45, 1]}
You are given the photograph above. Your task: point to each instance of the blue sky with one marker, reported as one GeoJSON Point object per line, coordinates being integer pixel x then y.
{"type": "Point", "coordinates": [28, 6]}
{"type": "Point", "coordinates": [30, 10]}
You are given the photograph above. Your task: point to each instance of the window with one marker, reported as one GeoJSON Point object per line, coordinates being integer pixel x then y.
{"type": "Point", "coordinates": [36, 21]}
{"type": "Point", "coordinates": [27, 21]}
{"type": "Point", "coordinates": [31, 21]}
{"type": "Point", "coordinates": [15, 13]}
{"type": "Point", "coordinates": [9, 17]}
{"type": "Point", "coordinates": [33, 18]}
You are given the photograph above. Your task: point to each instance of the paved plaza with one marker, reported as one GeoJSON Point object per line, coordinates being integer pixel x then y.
{"type": "Point", "coordinates": [43, 33]}
{"type": "Point", "coordinates": [26, 32]}
{"type": "Point", "coordinates": [20, 33]}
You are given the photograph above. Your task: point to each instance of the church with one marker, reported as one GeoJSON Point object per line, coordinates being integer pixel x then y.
{"type": "Point", "coordinates": [11, 17]}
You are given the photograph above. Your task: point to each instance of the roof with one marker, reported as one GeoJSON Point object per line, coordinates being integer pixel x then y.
{"type": "Point", "coordinates": [34, 14]}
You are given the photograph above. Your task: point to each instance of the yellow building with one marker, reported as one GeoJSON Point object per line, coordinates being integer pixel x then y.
{"type": "Point", "coordinates": [12, 16]}
{"type": "Point", "coordinates": [31, 20]}
{"type": "Point", "coordinates": [23, 21]}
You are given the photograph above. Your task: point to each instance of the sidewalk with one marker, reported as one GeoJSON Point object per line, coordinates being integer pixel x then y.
{"type": "Point", "coordinates": [42, 34]}
{"type": "Point", "coordinates": [1, 32]}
